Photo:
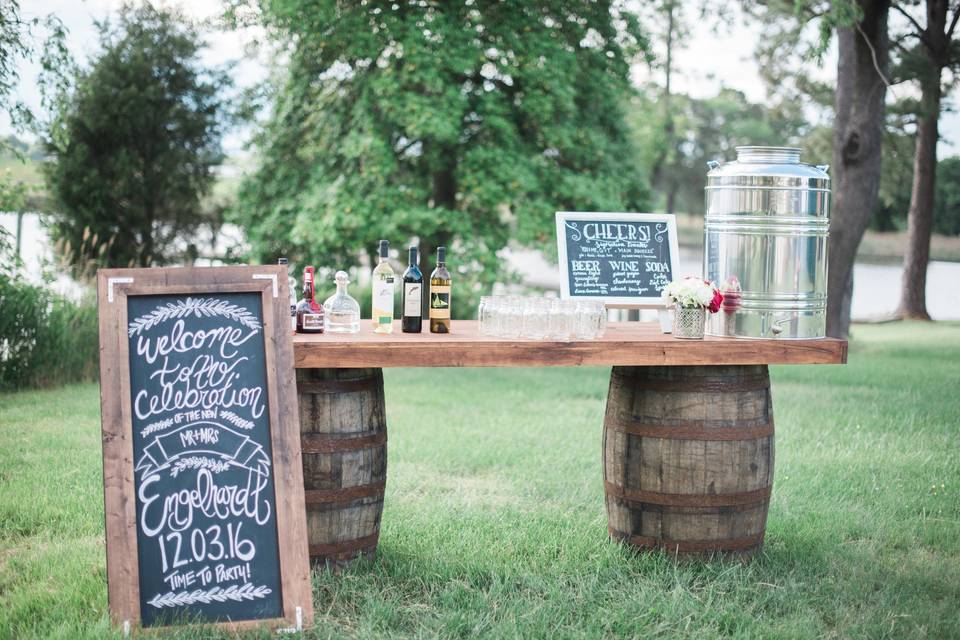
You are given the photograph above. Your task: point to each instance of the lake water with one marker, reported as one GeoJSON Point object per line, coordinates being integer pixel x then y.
{"type": "Point", "coordinates": [876, 288]}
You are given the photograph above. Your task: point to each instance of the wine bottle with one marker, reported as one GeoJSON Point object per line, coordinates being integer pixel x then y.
{"type": "Point", "coordinates": [383, 278]}
{"type": "Point", "coordinates": [412, 321]}
{"type": "Point", "coordinates": [309, 311]}
{"type": "Point", "coordinates": [440, 294]}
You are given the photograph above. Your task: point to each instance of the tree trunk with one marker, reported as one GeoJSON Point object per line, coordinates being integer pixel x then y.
{"type": "Point", "coordinates": [913, 292]}
{"type": "Point", "coordinates": [19, 233]}
{"type": "Point", "coordinates": [913, 298]}
{"type": "Point", "coordinates": [672, 189]}
{"type": "Point", "coordinates": [857, 143]}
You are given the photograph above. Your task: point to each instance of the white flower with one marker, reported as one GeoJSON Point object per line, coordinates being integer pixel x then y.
{"type": "Point", "coordinates": [688, 292]}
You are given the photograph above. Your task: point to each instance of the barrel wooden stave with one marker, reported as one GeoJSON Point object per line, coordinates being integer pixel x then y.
{"type": "Point", "coordinates": [344, 441]}
{"type": "Point", "coordinates": [688, 457]}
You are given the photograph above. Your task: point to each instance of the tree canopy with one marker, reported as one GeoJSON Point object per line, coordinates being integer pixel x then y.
{"type": "Point", "coordinates": [134, 144]}
{"type": "Point", "coordinates": [466, 124]}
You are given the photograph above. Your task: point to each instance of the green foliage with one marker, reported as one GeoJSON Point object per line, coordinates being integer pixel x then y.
{"type": "Point", "coordinates": [707, 129]}
{"type": "Point", "coordinates": [946, 205]}
{"type": "Point", "coordinates": [135, 143]}
{"type": "Point", "coordinates": [45, 339]}
{"type": "Point", "coordinates": [466, 124]}
{"type": "Point", "coordinates": [13, 193]}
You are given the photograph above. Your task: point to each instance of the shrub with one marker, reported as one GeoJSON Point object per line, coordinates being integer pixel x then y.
{"type": "Point", "coordinates": [45, 339]}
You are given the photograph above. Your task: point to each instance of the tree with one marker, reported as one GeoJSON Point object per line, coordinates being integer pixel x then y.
{"type": "Point", "coordinates": [863, 69]}
{"type": "Point", "coordinates": [18, 43]}
{"type": "Point", "coordinates": [134, 144]}
{"type": "Point", "coordinates": [934, 50]}
{"type": "Point", "coordinates": [666, 21]}
{"type": "Point", "coordinates": [466, 125]}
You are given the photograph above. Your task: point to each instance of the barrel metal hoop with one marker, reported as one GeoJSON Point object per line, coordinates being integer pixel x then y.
{"type": "Point", "coordinates": [346, 546]}
{"type": "Point", "coordinates": [687, 546]}
{"type": "Point", "coordinates": [690, 429]}
{"type": "Point", "coordinates": [347, 494]}
{"type": "Point", "coordinates": [757, 496]}
{"type": "Point", "coordinates": [325, 443]}
{"type": "Point", "coordinates": [747, 383]}
{"type": "Point", "coordinates": [338, 386]}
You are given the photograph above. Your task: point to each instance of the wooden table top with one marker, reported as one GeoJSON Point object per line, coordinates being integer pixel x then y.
{"type": "Point", "coordinates": [625, 344]}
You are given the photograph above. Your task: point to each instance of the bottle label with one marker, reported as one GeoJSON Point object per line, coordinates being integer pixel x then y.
{"type": "Point", "coordinates": [439, 301]}
{"type": "Point", "coordinates": [312, 321]}
{"type": "Point", "coordinates": [383, 300]}
{"type": "Point", "coordinates": [411, 298]}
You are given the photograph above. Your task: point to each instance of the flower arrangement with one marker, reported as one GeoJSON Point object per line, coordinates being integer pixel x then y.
{"type": "Point", "coordinates": [690, 292]}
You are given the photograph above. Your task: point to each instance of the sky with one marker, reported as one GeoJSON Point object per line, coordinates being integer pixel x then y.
{"type": "Point", "coordinates": [712, 58]}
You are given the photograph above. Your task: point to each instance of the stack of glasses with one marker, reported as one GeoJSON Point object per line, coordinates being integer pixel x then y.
{"type": "Point", "coordinates": [541, 318]}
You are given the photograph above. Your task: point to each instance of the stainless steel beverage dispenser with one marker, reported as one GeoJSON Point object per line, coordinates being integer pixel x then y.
{"type": "Point", "coordinates": [766, 228]}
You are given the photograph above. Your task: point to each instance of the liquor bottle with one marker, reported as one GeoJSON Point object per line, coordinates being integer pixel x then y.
{"type": "Point", "coordinates": [383, 277]}
{"type": "Point", "coordinates": [440, 294]}
{"type": "Point", "coordinates": [412, 321]}
{"type": "Point", "coordinates": [341, 313]}
{"type": "Point", "coordinates": [292, 286]}
{"type": "Point", "coordinates": [309, 311]}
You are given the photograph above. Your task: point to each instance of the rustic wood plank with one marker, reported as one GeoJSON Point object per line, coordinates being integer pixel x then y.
{"type": "Point", "coordinates": [625, 344]}
{"type": "Point", "coordinates": [120, 517]}
{"type": "Point", "coordinates": [285, 439]}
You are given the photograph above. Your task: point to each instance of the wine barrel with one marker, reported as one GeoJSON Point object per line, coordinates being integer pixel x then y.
{"type": "Point", "coordinates": [343, 434]}
{"type": "Point", "coordinates": [688, 458]}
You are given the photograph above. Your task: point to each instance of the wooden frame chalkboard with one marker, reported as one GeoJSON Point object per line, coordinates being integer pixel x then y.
{"type": "Point", "coordinates": [174, 457]}
{"type": "Point", "coordinates": [644, 244]}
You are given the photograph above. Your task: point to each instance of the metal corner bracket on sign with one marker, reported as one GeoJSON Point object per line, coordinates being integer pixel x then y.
{"type": "Point", "coordinates": [299, 626]}
{"type": "Point", "coordinates": [113, 281]}
{"type": "Point", "coordinates": [268, 276]}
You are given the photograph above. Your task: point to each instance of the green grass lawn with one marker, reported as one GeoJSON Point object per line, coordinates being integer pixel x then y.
{"type": "Point", "coordinates": [494, 522]}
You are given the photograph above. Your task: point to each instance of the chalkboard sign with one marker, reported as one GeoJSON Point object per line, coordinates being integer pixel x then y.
{"type": "Point", "coordinates": [624, 259]}
{"type": "Point", "coordinates": [213, 440]}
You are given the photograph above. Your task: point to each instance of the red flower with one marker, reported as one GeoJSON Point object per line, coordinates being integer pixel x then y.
{"type": "Point", "coordinates": [716, 302]}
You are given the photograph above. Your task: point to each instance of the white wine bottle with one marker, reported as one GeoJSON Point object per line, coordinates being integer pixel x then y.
{"type": "Point", "coordinates": [383, 280]}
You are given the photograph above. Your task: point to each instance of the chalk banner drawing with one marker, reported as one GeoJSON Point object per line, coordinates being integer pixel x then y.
{"type": "Point", "coordinates": [616, 257]}
{"type": "Point", "coordinates": [205, 504]}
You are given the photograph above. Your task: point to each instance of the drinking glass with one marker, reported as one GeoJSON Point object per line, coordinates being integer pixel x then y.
{"type": "Point", "coordinates": [585, 323]}
{"type": "Point", "coordinates": [561, 319]}
{"type": "Point", "coordinates": [511, 318]}
{"type": "Point", "coordinates": [534, 318]}
{"type": "Point", "coordinates": [601, 316]}
{"type": "Point", "coordinates": [485, 315]}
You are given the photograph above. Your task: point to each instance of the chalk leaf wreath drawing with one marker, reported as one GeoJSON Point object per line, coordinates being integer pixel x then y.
{"type": "Point", "coordinates": [236, 593]}
{"type": "Point", "coordinates": [198, 307]}
{"type": "Point", "coordinates": [237, 421]}
{"type": "Point", "coordinates": [198, 462]}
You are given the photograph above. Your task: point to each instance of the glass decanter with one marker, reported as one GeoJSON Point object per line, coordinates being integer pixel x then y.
{"type": "Point", "coordinates": [342, 313]}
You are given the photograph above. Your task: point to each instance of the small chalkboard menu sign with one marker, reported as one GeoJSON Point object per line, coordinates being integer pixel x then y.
{"type": "Point", "coordinates": [624, 259]}
{"type": "Point", "coordinates": [203, 485]}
